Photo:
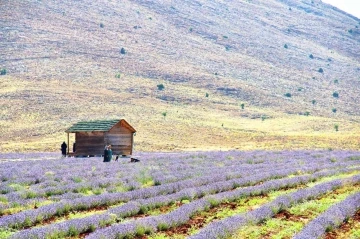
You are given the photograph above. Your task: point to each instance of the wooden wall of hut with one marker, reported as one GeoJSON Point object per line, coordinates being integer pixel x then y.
{"type": "Point", "coordinates": [89, 143]}
{"type": "Point", "coordinates": [120, 138]}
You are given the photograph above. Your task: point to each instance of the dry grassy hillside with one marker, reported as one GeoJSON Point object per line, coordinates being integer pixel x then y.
{"type": "Point", "coordinates": [64, 63]}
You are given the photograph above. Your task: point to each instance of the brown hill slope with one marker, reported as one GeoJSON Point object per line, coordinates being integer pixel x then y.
{"type": "Point", "coordinates": [62, 57]}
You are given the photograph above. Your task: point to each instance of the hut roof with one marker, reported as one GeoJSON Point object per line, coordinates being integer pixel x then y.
{"type": "Point", "coordinates": [97, 125]}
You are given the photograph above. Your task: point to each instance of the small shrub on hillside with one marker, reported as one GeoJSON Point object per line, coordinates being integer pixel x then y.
{"type": "Point", "coordinates": [102, 25]}
{"type": "Point", "coordinates": [122, 50]}
{"type": "Point", "coordinates": [336, 81]}
{"type": "Point", "coordinates": [117, 75]}
{"type": "Point", "coordinates": [164, 114]}
{"type": "Point", "coordinates": [286, 46]}
{"type": "Point", "coordinates": [311, 56]}
{"type": "Point", "coordinates": [300, 89]}
{"type": "Point", "coordinates": [207, 95]}
{"type": "Point", "coordinates": [287, 95]}
{"type": "Point", "coordinates": [242, 106]}
{"type": "Point", "coordinates": [225, 37]}
{"type": "Point", "coordinates": [307, 113]}
{"type": "Point", "coordinates": [321, 70]}
{"type": "Point", "coordinates": [336, 94]}
{"type": "Point", "coordinates": [334, 110]}
{"type": "Point", "coordinates": [350, 31]}
{"type": "Point", "coordinates": [227, 48]}
{"type": "Point", "coordinates": [160, 86]}
{"type": "Point", "coordinates": [3, 72]}
{"type": "Point", "coordinates": [190, 30]}
{"type": "Point", "coordinates": [336, 127]}
{"type": "Point", "coordinates": [313, 102]}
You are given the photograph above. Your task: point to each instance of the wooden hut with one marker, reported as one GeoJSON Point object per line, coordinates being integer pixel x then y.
{"type": "Point", "coordinates": [92, 136]}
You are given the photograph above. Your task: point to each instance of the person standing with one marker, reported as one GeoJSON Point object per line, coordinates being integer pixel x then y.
{"type": "Point", "coordinates": [109, 153]}
{"type": "Point", "coordinates": [63, 149]}
{"type": "Point", "coordinates": [106, 153]}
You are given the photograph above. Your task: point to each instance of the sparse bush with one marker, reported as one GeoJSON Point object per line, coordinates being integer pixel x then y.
{"type": "Point", "coordinates": [336, 127]}
{"type": "Point", "coordinates": [300, 89]}
{"type": "Point", "coordinates": [227, 48]}
{"type": "Point", "coordinates": [207, 95]}
{"type": "Point", "coordinates": [290, 9]}
{"type": "Point", "coordinates": [334, 110]}
{"type": "Point", "coordinates": [225, 37]}
{"type": "Point", "coordinates": [286, 46]}
{"type": "Point", "coordinates": [190, 30]}
{"type": "Point", "coordinates": [117, 75]}
{"type": "Point", "coordinates": [311, 56]}
{"type": "Point", "coordinates": [321, 70]}
{"type": "Point", "coordinates": [263, 117]}
{"type": "Point", "coordinates": [336, 81]}
{"type": "Point", "coordinates": [307, 113]}
{"type": "Point", "coordinates": [287, 95]}
{"type": "Point", "coordinates": [313, 102]}
{"type": "Point", "coordinates": [242, 106]}
{"type": "Point", "coordinates": [164, 114]}
{"type": "Point", "coordinates": [160, 86]}
{"type": "Point", "coordinates": [350, 31]}
{"type": "Point", "coordinates": [102, 25]}
{"type": "Point", "coordinates": [122, 50]}
{"type": "Point", "coordinates": [336, 94]}
{"type": "Point", "coordinates": [3, 71]}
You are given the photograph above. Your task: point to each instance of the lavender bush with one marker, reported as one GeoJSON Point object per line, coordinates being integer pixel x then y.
{"type": "Point", "coordinates": [41, 187]}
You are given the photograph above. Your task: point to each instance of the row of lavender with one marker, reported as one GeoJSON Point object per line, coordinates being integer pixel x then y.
{"type": "Point", "coordinates": [222, 229]}
{"type": "Point", "coordinates": [92, 223]}
{"type": "Point", "coordinates": [45, 212]}
{"type": "Point", "coordinates": [193, 194]}
{"type": "Point", "coordinates": [71, 178]}
{"type": "Point", "coordinates": [186, 176]}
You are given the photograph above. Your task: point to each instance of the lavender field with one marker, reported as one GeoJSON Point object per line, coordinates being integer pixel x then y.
{"type": "Point", "coordinates": [194, 195]}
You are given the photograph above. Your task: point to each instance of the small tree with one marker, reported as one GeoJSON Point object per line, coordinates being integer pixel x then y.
{"type": "Point", "coordinates": [336, 81]}
{"type": "Point", "coordinates": [288, 95]}
{"type": "Point", "coordinates": [3, 72]}
{"type": "Point", "coordinates": [207, 95]}
{"type": "Point", "coordinates": [102, 25]}
{"type": "Point", "coordinates": [307, 113]}
{"type": "Point", "coordinates": [164, 114]}
{"type": "Point", "coordinates": [286, 46]}
{"type": "Point", "coordinates": [242, 106]}
{"type": "Point", "coordinates": [311, 56]}
{"type": "Point", "coordinates": [334, 110]}
{"type": "Point", "coordinates": [313, 102]}
{"type": "Point", "coordinates": [117, 75]}
{"type": "Point", "coordinates": [122, 51]}
{"type": "Point", "coordinates": [336, 94]}
{"type": "Point", "coordinates": [321, 70]}
{"type": "Point", "coordinates": [160, 86]}
{"type": "Point", "coordinates": [336, 127]}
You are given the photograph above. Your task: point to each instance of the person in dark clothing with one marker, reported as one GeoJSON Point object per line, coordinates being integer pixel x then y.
{"type": "Point", "coordinates": [63, 149]}
{"type": "Point", "coordinates": [106, 153]}
{"type": "Point", "coordinates": [74, 147]}
{"type": "Point", "coordinates": [109, 153]}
